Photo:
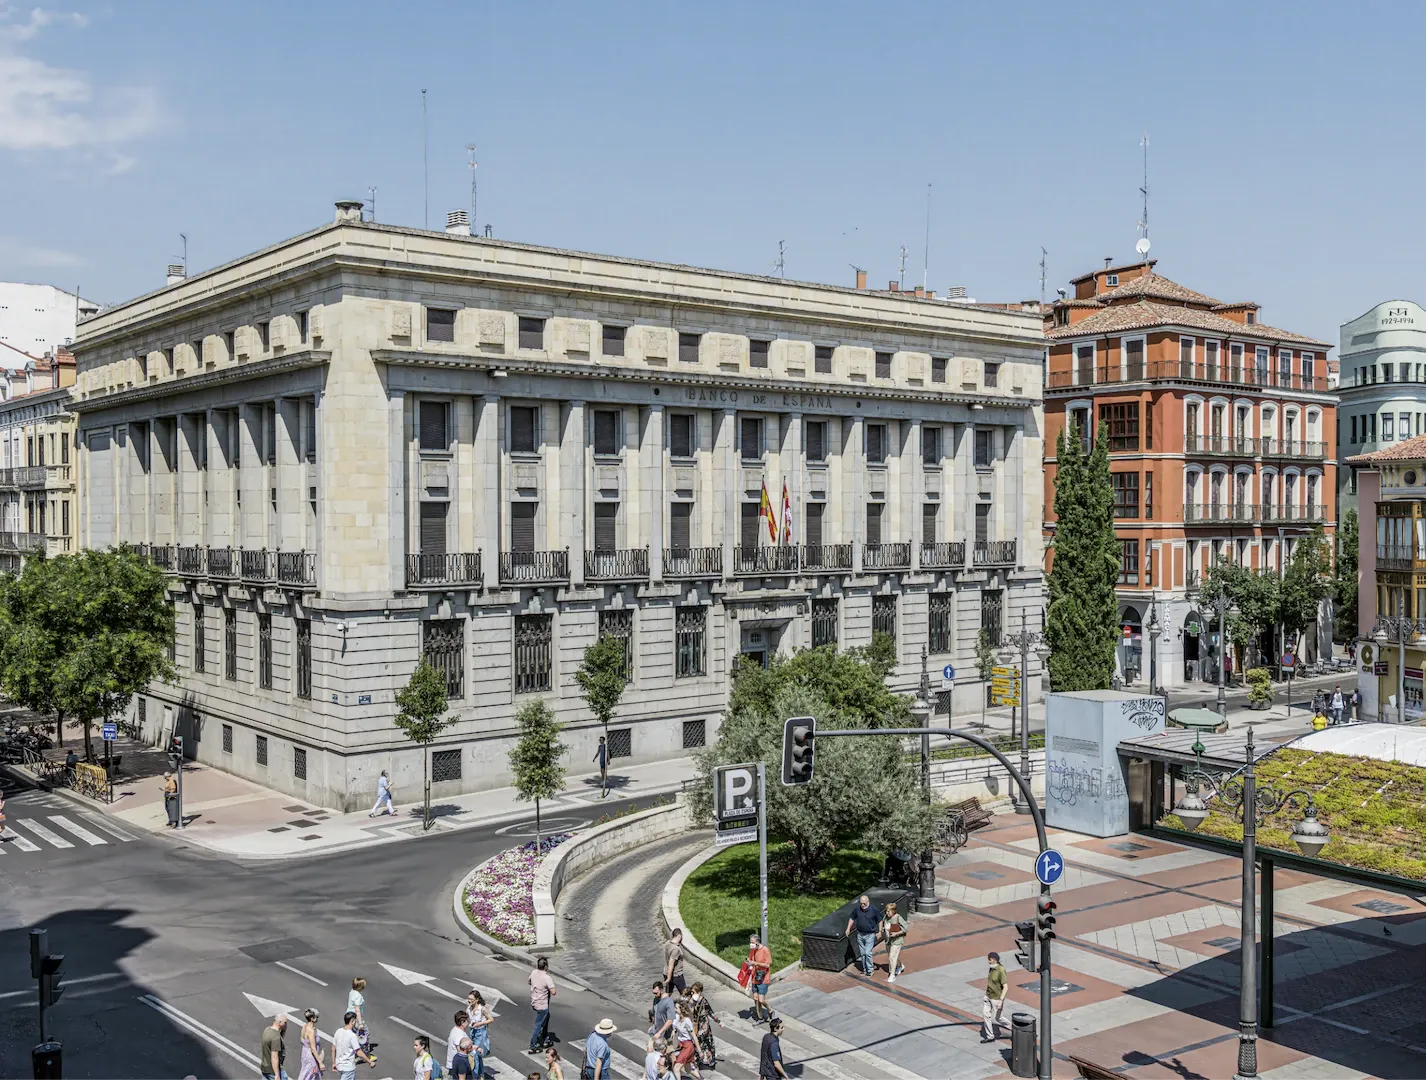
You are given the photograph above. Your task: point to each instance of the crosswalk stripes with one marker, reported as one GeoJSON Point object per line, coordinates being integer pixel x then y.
{"type": "Point", "coordinates": [13, 838]}
{"type": "Point", "coordinates": [77, 830]}
{"type": "Point", "coordinates": [44, 834]}
{"type": "Point", "coordinates": [84, 828]}
{"type": "Point", "coordinates": [113, 830]}
{"type": "Point", "coordinates": [493, 1065]}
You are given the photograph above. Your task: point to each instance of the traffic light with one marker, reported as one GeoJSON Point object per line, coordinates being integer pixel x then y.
{"type": "Point", "coordinates": [799, 735]}
{"type": "Point", "coordinates": [1044, 919]}
{"type": "Point", "coordinates": [175, 752]}
{"type": "Point", "coordinates": [1027, 949]}
{"type": "Point", "coordinates": [50, 989]}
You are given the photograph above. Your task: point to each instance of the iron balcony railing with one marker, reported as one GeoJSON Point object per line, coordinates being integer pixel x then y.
{"type": "Point", "coordinates": [30, 477]}
{"type": "Point", "coordinates": [1221, 445]}
{"type": "Point", "coordinates": [192, 560]}
{"type": "Point", "coordinates": [826, 556]}
{"type": "Point", "coordinates": [766, 560]}
{"type": "Point", "coordinates": [626, 564]}
{"type": "Point", "coordinates": [1191, 579]}
{"type": "Point", "coordinates": [995, 552]}
{"type": "Point", "coordinates": [1223, 373]}
{"type": "Point", "coordinates": [517, 567]}
{"type": "Point", "coordinates": [455, 568]}
{"type": "Point", "coordinates": [942, 555]}
{"type": "Point", "coordinates": [222, 562]}
{"type": "Point", "coordinates": [258, 565]}
{"type": "Point", "coordinates": [296, 568]}
{"type": "Point", "coordinates": [161, 555]}
{"type": "Point", "coordinates": [1294, 448]}
{"type": "Point", "coordinates": [1310, 513]}
{"type": "Point", "coordinates": [886, 556]}
{"type": "Point", "coordinates": [1390, 557]}
{"type": "Point", "coordinates": [1219, 513]}
{"type": "Point", "coordinates": [693, 562]}
{"type": "Point", "coordinates": [22, 541]}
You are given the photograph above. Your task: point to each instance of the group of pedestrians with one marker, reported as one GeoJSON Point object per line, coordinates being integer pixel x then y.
{"type": "Point", "coordinates": [872, 925]}
{"type": "Point", "coordinates": [349, 1046]}
{"type": "Point", "coordinates": [1331, 709]}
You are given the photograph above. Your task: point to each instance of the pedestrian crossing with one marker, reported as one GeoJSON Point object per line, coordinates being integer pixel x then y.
{"type": "Point", "coordinates": [69, 831]}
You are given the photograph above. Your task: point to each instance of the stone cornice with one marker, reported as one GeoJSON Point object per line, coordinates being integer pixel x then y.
{"type": "Point", "coordinates": [223, 376]}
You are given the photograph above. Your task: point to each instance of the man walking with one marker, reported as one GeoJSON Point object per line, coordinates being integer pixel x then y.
{"type": "Point", "coordinates": [346, 1049]}
{"type": "Point", "coordinates": [866, 920]}
{"type": "Point", "coordinates": [770, 1054]}
{"type": "Point", "coordinates": [542, 988]}
{"type": "Point", "coordinates": [383, 796]}
{"type": "Point", "coordinates": [170, 799]}
{"type": "Point", "coordinates": [601, 756]}
{"type": "Point", "coordinates": [996, 987]}
{"type": "Point", "coordinates": [665, 1012]}
{"type": "Point", "coordinates": [673, 963]}
{"type": "Point", "coordinates": [1338, 704]}
{"type": "Point", "coordinates": [273, 1052]}
{"type": "Point", "coordinates": [598, 1059]}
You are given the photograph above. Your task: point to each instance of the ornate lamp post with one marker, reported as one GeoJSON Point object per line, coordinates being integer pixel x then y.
{"type": "Point", "coordinates": [1250, 804]}
{"type": "Point", "coordinates": [1154, 631]}
{"type": "Point", "coordinates": [927, 903]}
{"type": "Point", "coordinates": [1221, 604]}
{"type": "Point", "coordinates": [1397, 628]}
{"type": "Point", "coordinates": [1025, 640]}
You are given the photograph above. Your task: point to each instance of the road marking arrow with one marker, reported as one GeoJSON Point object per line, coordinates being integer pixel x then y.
{"type": "Point", "coordinates": [407, 977]}
{"type": "Point", "coordinates": [268, 1007]}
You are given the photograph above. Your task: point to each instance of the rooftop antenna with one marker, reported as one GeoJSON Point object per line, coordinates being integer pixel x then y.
{"type": "Point", "coordinates": [425, 161]}
{"type": "Point", "coordinates": [1043, 256]}
{"type": "Point", "coordinates": [470, 154]}
{"type": "Point", "coordinates": [901, 281]}
{"type": "Point", "coordinates": [780, 267]}
{"type": "Point", "coordinates": [1142, 247]}
{"type": "Point", "coordinates": [926, 250]}
{"type": "Point", "coordinates": [184, 238]}
{"type": "Point", "coordinates": [371, 202]}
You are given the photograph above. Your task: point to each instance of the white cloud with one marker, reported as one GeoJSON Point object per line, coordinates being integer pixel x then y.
{"type": "Point", "coordinates": [36, 19]}
{"type": "Point", "coordinates": [19, 253]}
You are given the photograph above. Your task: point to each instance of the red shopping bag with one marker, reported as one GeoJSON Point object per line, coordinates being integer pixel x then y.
{"type": "Point", "coordinates": [745, 974]}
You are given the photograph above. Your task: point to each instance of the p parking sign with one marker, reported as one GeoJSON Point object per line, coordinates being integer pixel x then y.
{"type": "Point", "coordinates": [735, 792]}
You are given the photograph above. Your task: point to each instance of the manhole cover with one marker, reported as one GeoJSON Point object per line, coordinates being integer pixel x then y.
{"type": "Point", "coordinates": [1223, 943]}
{"type": "Point", "coordinates": [1057, 987]}
{"type": "Point", "coordinates": [1381, 907]}
{"type": "Point", "coordinates": [269, 952]}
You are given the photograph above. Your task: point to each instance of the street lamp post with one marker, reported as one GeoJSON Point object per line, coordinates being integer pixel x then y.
{"type": "Point", "coordinates": [1221, 604]}
{"type": "Point", "coordinates": [927, 902]}
{"type": "Point", "coordinates": [1239, 791]}
{"type": "Point", "coordinates": [1399, 627]}
{"type": "Point", "coordinates": [1154, 630]}
{"type": "Point", "coordinates": [1025, 640]}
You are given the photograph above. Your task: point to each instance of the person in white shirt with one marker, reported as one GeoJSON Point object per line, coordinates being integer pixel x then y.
{"type": "Point", "coordinates": [651, 1061]}
{"type": "Point", "coordinates": [346, 1049]}
{"type": "Point", "coordinates": [458, 1034]}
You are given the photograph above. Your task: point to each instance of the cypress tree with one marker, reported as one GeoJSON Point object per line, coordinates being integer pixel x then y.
{"type": "Point", "coordinates": [1083, 619]}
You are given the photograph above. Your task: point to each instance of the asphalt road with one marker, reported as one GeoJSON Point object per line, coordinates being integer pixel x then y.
{"type": "Point", "coordinates": [166, 947]}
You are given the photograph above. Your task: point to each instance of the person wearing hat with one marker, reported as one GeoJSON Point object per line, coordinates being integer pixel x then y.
{"type": "Point", "coordinates": [597, 1057]}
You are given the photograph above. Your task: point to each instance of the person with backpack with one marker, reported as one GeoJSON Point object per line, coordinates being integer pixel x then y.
{"type": "Point", "coordinates": [425, 1066]}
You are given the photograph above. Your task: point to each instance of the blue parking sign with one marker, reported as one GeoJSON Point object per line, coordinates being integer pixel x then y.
{"type": "Point", "coordinates": [109, 732]}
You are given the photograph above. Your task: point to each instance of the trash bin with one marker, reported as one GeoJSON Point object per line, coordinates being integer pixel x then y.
{"type": "Point", "coordinates": [1022, 1044]}
{"type": "Point", "coordinates": [46, 1060]}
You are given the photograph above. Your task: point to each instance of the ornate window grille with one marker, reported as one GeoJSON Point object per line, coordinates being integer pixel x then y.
{"type": "Point", "coordinates": [695, 734]}
{"type": "Point", "coordinates": [620, 624]}
{"type": "Point", "coordinates": [620, 743]}
{"type": "Point", "coordinates": [264, 651]}
{"type": "Point", "coordinates": [990, 616]}
{"type": "Point", "coordinates": [230, 644]}
{"type": "Point", "coordinates": [883, 615]}
{"type": "Point", "coordinates": [534, 665]}
{"type": "Point", "coordinates": [824, 623]}
{"type": "Point", "coordinates": [690, 631]}
{"type": "Point", "coordinates": [304, 657]}
{"type": "Point", "coordinates": [443, 647]}
{"type": "Point", "coordinates": [262, 749]}
{"type": "Point", "coordinates": [445, 765]}
{"type": "Point", "coordinates": [299, 763]}
{"type": "Point", "coordinates": [942, 627]}
{"type": "Point", "coordinates": [200, 651]}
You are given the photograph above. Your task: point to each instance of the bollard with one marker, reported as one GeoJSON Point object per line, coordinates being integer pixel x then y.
{"type": "Point", "coordinates": [1022, 1044]}
{"type": "Point", "coordinates": [47, 1061]}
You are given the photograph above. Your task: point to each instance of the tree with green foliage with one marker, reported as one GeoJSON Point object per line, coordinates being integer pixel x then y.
{"type": "Point", "coordinates": [603, 676]}
{"type": "Point", "coordinates": [1255, 596]}
{"type": "Point", "coordinates": [29, 647]}
{"type": "Point", "coordinates": [1083, 619]}
{"type": "Point", "coordinates": [863, 794]}
{"type": "Point", "coordinates": [985, 663]}
{"type": "Point", "coordinates": [537, 758]}
{"type": "Point", "coordinates": [851, 682]}
{"type": "Point", "coordinates": [1306, 582]}
{"type": "Point", "coordinates": [421, 706]}
{"type": "Point", "coordinates": [1344, 578]}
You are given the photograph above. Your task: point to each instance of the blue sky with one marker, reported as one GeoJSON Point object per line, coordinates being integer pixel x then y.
{"type": "Point", "coordinates": [1286, 140]}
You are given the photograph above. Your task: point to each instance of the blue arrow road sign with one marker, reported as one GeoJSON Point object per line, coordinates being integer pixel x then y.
{"type": "Point", "coordinates": [948, 675]}
{"type": "Point", "coordinates": [1049, 867]}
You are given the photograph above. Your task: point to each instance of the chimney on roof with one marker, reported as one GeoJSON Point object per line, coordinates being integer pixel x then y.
{"type": "Point", "coordinates": [1108, 261]}
{"type": "Point", "coordinates": [861, 279]}
{"type": "Point", "coordinates": [956, 292]}
{"type": "Point", "coordinates": [176, 273]}
{"type": "Point", "coordinates": [348, 211]}
{"type": "Point", "coordinates": [892, 286]}
{"type": "Point", "coordinates": [458, 222]}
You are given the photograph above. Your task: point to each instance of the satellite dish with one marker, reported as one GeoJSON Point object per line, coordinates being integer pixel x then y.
{"type": "Point", "coordinates": [1142, 247]}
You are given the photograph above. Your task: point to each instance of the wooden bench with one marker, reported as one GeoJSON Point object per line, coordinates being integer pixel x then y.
{"type": "Point", "coordinates": [1090, 1071]}
{"type": "Point", "coordinates": [973, 816]}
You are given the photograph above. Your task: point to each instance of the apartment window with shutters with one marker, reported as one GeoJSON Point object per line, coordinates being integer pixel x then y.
{"type": "Point", "coordinates": [619, 624]}
{"type": "Point", "coordinates": [230, 644]}
{"type": "Point", "coordinates": [815, 513]}
{"type": "Point", "coordinates": [822, 359]}
{"type": "Point", "coordinates": [824, 622]}
{"type": "Point", "coordinates": [750, 436]}
{"type": "Point", "coordinates": [433, 527]}
{"type": "Point", "coordinates": [613, 337]}
{"type": "Point", "coordinates": [680, 526]}
{"type": "Point", "coordinates": [532, 333]}
{"type": "Point", "coordinates": [1126, 494]}
{"type": "Point", "coordinates": [264, 651]}
{"type": "Point", "coordinates": [883, 616]}
{"type": "Point", "coordinates": [873, 522]}
{"type": "Point", "coordinates": [522, 526]}
{"type": "Point", "coordinates": [815, 440]}
{"type": "Point", "coordinates": [931, 446]}
{"type": "Point", "coordinates": [938, 369]}
{"type": "Point", "coordinates": [875, 444]}
{"type": "Point", "coordinates": [1149, 496]}
{"type": "Point", "coordinates": [443, 647]}
{"type": "Point", "coordinates": [1122, 424]}
{"type": "Point", "coordinates": [749, 526]}
{"type": "Point", "coordinates": [524, 436]}
{"type": "Point", "coordinates": [64, 449]}
{"type": "Point", "coordinates": [200, 647]}
{"type": "Point", "coordinates": [440, 324]}
{"type": "Point", "coordinates": [606, 527]}
{"type": "Point", "coordinates": [941, 628]}
{"type": "Point", "coordinates": [688, 348]}
{"type": "Point", "coordinates": [303, 658]}
{"type": "Point", "coordinates": [534, 657]}
{"type": "Point", "coordinates": [982, 523]}
{"type": "Point", "coordinates": [680, 435]}
{"type": "Point", "coordinates": [991, 609]}
{"type": "Point", "coordinates": [930, 514]}
{"type": "Point", "coordinates": [1129, 562]}
{"type": "Point", "coordinates": [1134, 359]}
{"type": "Point", "coordinates": [690, 626]}
{"type": "Point", "coordinates": [606, 432]}
{"type": "Point", "coordinates": [992, 374]}
{"type": "Point", "coordinates": [434, 435]}
{"type": "Point", "coordinates": [883, 365]}
{"type": "Point", "coordinates": [757, 353]}
{"type": "Point", "coordinates": [984, 447]}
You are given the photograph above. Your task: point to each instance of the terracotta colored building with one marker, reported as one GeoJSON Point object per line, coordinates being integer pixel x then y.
{"type": "Point", "coordinates": [1222, 438]}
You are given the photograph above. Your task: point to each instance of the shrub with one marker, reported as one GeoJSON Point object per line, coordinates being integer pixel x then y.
{"type": "Point", "coordinates": [1260, 690]}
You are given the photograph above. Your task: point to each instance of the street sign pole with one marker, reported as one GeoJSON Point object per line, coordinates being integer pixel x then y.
{"type": "Point", "coordinates": [762, 847]}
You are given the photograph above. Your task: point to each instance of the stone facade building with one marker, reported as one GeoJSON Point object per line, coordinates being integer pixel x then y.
{"type": "Point", "coordinates": [38, 489]}
{"type": "Point", "coordinates": [368, 443]}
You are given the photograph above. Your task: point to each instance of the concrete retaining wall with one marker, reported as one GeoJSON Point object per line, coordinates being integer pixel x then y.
{"type": "Point", "coordinates": [983, 778]}
{"type": "Point", "coordinates": [595, 845]}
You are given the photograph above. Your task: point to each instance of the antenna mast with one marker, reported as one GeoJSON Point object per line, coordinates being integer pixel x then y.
{"type": "Point", "coordinates": [184, 238]}
{"type": "Point", "coordinates": [926, 251]}
{"type": "Point", "coordinates": [1043, 256]}
{"type": "Point", "coordinates": [780, 267]}
{"type": "Point", "coordinates": [1144, 191]}
{"type": "Point", "coordinates": [470, 153]}
{"type": "Point", "coordinates": [371, 201]}
{"type": "Point", "coordinates": [901, 280]}
{"type": "Point", "coordinates": [425, 162]}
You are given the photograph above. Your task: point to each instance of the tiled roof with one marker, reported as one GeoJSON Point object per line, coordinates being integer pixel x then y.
{"type": "Point", "coordinates": [1407, 450]}
{"type": "Point", "coordinates": [1155, 286]}
{"type": "Point", "coordinates": [1241, 305]}
{"type": "Point", "coordinates": [1146, 314]}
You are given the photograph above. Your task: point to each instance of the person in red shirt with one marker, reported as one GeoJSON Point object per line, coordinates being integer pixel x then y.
{"type": "Point", "coordinates": [760, 957]}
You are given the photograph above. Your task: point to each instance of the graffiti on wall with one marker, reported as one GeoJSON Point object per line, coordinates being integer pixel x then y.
{"type": "Point", "coordinates": [1067, 784]}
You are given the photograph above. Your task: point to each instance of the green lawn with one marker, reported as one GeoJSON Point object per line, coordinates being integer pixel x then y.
{"type": "Point", "coordinates": [720, 901]}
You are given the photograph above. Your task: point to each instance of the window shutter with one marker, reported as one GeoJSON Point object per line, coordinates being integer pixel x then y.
{"type": "Point", "coordinates": [522, 429]}
{"type": "Point", "coordinates": [433, 426]}
{"type": "Point", "coordinates": [606, 432]}
{"type": "Point", "coordinates": [757, 353]}
{"type": "Point", "coordinates": [614, 340]}
{"type": "Point", "coordinates": [876, 442]}
{"type": "Point", "coordinates": [873, 523]}
{"type": "Point", "coordinates": [440, 324]}
{"type": "Point", "coordinates": [816, 441]}
{"type": "Point", "coordinates": [814, 523]}
{"type": "Point", "coordinates": [982, 523]}
{"type": "Point", "coordinates": [929, 512]}
{"type": "Point", "coordinates": [522, 526]}
{"type": "Point", "coordinates": [748, 534]}
{"type": "Point", "coordinates": [823, 361]}
{"type": "Point", "coordinates": [433, 528]}
{"type": "Point", "coordinates": [680, 435]}
{"type": "Point", "coordinates": [752, 438]}
{"type": "Point", "coordinates": [680, 522]}
{"type": "Point", "coordinates": [606, 517]}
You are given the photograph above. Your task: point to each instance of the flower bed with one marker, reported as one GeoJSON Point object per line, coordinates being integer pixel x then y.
{"type": "Point", "coordinates": [499, 897]}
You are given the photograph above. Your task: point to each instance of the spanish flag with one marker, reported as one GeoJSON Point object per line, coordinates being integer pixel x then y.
{"type": "Point", "coordinates": [765, 509]}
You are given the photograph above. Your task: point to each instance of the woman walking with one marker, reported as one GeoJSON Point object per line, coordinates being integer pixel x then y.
{"type": "Point", "coordinates": [893, 928]}
{"type": "Point", "coordinates": [383, 796]}
{"type": "Point", "coordinates": [311, 1048]}
{"type": "Point", "coordinates": [704, 1018]}
{"type": "Point", "coordinates": [683, 1033]}
{"type": "Point", "coordinates": [480, 1018]}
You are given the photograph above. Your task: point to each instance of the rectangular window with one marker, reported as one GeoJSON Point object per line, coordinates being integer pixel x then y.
{"type": "Point", "coordinates": [750, 438]}
{"type": "Point", "coordinates": [229, 341]}
{"type": "Point", "coordinates": [299, 763]}
{"type": "Point", "coordinates": [1134, 359]}
{"type": "Point", "coordinates": [606, 527]}
{"type": "Point", "coordinates": [991, 604]}
{"type": "Point", "coordinates": [1148, 425]}
{"type": "Point", "coordinates": [1122, 423]}
{"type": "Point", "coordinates": [824, 622]}
{"type": "Point", "coordinates": [1388, 426]}
{"type": "Point", "coordinates": [815, 439]}
{"type": "Point", "coordinates": [619, 624]}
{"type": "Point", "coordinates": [680, 435]}
{"type": "Point", "coordinates": [1373, 420]}
{"type": "Point", "coordinates": [1185, 357]}
{"type": "Point", "coordinates": [1210, 361]}
{"type": "Point", "coordinates": [433, 527]}
{"type": "Point", "coordinates": [984, 447]}
{"type": "Point", "coordinates": [815, 512]}
{"type": "Point", "coordinates": [1309, 366]}
{"type": "Point", "coordinates": [757, 353]}
{"type": "Point", "coordinates": [197, 345]}
{"type": "Point", "coordinates": [941, 629]}
{"type": "Point", "coordinates": [606, 432]}
{"type": "Point", "coordinates": [695, 734]}
{"type": "Point", "coordinates": [982, 523]}
{"type": "Point", "coordinates": [749, 526]}
{"type": "Point", "coordinates": [930, 512]}
{"type": "Point", "coordinates": [938, 369]}
{"type": "Point", "coordinates": [873, 522]}
{"type": "Point", "coordinates": [434, 433]}
{"type": "Point", "coordinates": [523, 434]}
{"type": "Point", "coordinates": [262, 750]}
{"type": "Point", "coordinates": [1129, 562]}
{"type": "Point", "coordinates": [1149, 495]}
{"type": "Point", "coordinates": [264, 651]}
{"type": "Point", "coordinates": [303, 634]}
{"type": "Point", "coordinates": [688, 348]}
{"type": "Point", "coordinates": [534, 657]}
{"type": "Point", "coordinates": [930, 445]}
{"type": "Point", "coordinates": [883, 365]}
{"type": "Point", "coordinates": [883, 616]}
{"type": "Point", "coordinates": [200, 648]}
{"type": "Point", "coordinates": [227, 738]}
{"type": "Point", "coordinates": [680, 522]}
{"type": "Point", "coordinates": [822, 359]}
{"type": "Point", "coordinates": [443, 647]}
{"type": "Point", "coordinates": [620, 743]}
{"type": "Point", "coordinates": [263, 335]}
{"type": "Point", "coordinates": [876, 443]}
{"type": "Point", "coordinates": [522, 526]}
{"type": "Point", "coordinates": [440, 324]}
{"type": "Point", "coordinates": [64, 449]}
{"type": "Point", "coordinates": [689, 631]}
{"type": "Point", "coordinates": [1284, 367]}
{"type": "Point", "coordinates": [64, 517]}
{"type": "Point", "coordinates": [532, 332]}
{"type": "Point", "coordinates": [992, 375]}
{"type": "Point", "coordinates": [445, 766]}
{"type": "Point", "coordinates": [302, 323]}
{"type": "Point", "coordinates": [1079, 418]}
{"type": "Point", "coordinates": [1403, 425]}
{"type": "Point", "coordinates": [614, 339]}
{"type": "Point", "coordinates": [230, 644]}
{"type": "Point", "coordinates": [1126, 494]}
{"type": "Point", "coordinates": [1354, 429]}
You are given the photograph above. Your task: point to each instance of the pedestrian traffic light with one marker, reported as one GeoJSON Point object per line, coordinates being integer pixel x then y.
{"type": "Point", "coordinates": [50, 989]}
{"type": "Point", "coordinates": [799, 735]}
{"type": "Point", "coordinates": [1027, 949]}
{"type": "Point", "coordinates": [1044, 919]}
{"type": "Point", "coordinates": [175, 752]}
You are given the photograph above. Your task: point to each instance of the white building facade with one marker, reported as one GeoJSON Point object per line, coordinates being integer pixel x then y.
{"type": "Point", "coordinates": [370, 444]}
{"type": "Point", "coordinates": [38, 319]}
